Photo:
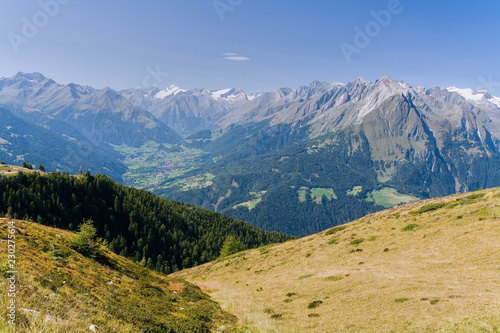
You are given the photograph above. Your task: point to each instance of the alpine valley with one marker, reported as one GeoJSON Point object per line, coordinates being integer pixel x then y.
{"type": "Point", "coordinates": [292, 160]}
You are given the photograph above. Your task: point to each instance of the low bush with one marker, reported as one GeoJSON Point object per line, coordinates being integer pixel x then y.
{"type": "Point", "coordinates": [357, 241]}
{"type": "Point", "coordinates": [333, 278]}
{"type": "Point", "coordinates": [401, 300]}
{"type": "Point", "coordinates": [410, 227]}
{"type": "Point", "coordinates": [335, 230]}
{"type": "Point", "coordinates": [428, 208]}
{"type": "Point", "coordinates": [476, 196]}
{"type": "Point", "coordinates": [269, 311]}
{"type": "Point", "coordinates": [314, 304]}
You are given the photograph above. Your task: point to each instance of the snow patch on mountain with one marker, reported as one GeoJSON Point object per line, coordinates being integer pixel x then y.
{"type": "Point", "coordinates": [254, 96]}
{"type": "Point", "coordinates": [468, 93]}
{"type": "Point", "coordinates": [231, 96]}
{"type": "Point", "coordinates": [495, 100]}
{"type": "Point", "coordinates": [476, 96]}
{"type": "Point", "coordinates": [169, 91]}
{"type": "Point", "coordinates": [217, 94]}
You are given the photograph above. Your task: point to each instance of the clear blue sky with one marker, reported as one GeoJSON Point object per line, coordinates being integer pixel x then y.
{"type": "Point", "coordinates": [259, 45]}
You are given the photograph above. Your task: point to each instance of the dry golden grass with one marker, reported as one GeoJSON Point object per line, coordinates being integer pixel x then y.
{"type": "Point", "coordinates": [60, 290]}
{"type": "Point", "coordinates": [440, 275]}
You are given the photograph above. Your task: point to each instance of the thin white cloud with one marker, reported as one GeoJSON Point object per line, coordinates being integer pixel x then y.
{"type": "Point", "coordinates": [234, 57]}
{"type": "Point", "coordinates": [238, 58]}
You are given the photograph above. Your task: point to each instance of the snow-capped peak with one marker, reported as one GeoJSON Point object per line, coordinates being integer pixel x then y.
{"type": "Point", "coordinates": [254, 96]}
{"type": "Point", "coordinates": [476, 96]}
{"type": "Point", "coordinates": [468, 93]}
{"type": "Point", "coordinates": [169, 91]}
{"type": "Point", "coordinates": [217, 94]}
{"type": "Point", "coordinates": [231, 96]}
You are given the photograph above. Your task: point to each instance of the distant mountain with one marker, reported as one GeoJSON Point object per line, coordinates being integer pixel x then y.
{"type": "Point", "coordinates": [21, 140]}
{"type": "Point", "coordinates": [75, 126]}
{"type": "Point", "coordinates": [102, 116]}
{"type": "Point", "coordinates": [188, 111]}
{"type": "Point", "coordinates": [294, 160]}
{"type": "Point", "coordinates": [308, 158]}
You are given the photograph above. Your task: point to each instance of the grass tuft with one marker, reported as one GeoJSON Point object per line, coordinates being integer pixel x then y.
{"type": "Point", "coordinates": [333, 241]}
{"type": "Point", "coordinates": [314, 304]}
{"type": "Point", "coordinates": [357, 241]}
{"type": "Point", "coordinates": [333, 278]}
{"type": "Point", "coordinates": [476, 196]}
{"type": "Point", "coordinates": [410, 227]}
{"type": "Point", "coordinates": [428, 208]}
{"type": "Point", "coordinates": [335, 230]}
{"type": "Point", "coordinates": [401, 299]}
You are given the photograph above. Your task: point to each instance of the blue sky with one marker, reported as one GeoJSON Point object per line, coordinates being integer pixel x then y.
{"type": "Point", "coordinates": [256, 45]}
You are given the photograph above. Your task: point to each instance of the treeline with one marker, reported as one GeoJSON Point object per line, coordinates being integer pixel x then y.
{"type": "Point", "coordinates": [160, 234]}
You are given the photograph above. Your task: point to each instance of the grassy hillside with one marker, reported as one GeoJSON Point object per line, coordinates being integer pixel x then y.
{"type": "Point", "coordinates": [161, 234]}
{"type": "Point", "coordinates": [60, 290]}
{"type": "Point", "coordinates": [429, 266]}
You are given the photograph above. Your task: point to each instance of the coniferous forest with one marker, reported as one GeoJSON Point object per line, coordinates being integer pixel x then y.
{"type": "Point", "coordinates": [160, 234]}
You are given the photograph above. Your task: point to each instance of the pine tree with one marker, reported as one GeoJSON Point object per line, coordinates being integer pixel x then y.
{"type": "Point", "coordinates": [86, 241]}
{"type": "Point", "coordinates": [231, 246]}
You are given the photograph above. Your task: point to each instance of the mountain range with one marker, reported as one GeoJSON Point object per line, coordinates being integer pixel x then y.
{"type": "Point", "coordinates": [292, 160]}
